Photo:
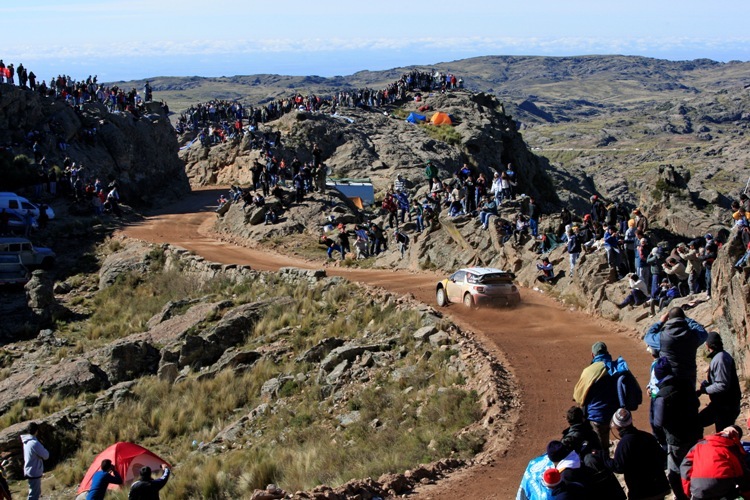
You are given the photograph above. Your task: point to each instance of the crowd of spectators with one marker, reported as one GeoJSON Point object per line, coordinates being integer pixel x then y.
{"type": "Point", "coordinates": [673, 457]}
{"type": "Point", "coordinates": [57, 174]}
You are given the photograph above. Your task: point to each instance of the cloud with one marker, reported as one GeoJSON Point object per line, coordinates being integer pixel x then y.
{"type": "Point", "coordinates": [448, 45]}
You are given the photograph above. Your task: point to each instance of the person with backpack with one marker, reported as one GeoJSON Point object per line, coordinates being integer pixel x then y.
{"type": "Point", "coordinates": [602, 388]}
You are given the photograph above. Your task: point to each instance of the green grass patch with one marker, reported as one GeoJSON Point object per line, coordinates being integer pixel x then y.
{"type": "Point", "coordinates": [443, 133]}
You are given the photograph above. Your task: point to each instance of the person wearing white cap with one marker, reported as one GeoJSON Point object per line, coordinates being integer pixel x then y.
{"type": "Point", "coordinates": [639, 458]}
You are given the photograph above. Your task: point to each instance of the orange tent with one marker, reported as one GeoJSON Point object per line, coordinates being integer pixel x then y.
{"type": "Point", "coordinates": [441, 118]}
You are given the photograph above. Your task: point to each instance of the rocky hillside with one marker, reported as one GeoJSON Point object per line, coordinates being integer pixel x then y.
{"type": "Point", "coordinates": [138, 153]}
{"type": "Point", "coordinates": [611, 120]}
{"type": "Point", "coordinates": [240, 361]}
{"type": "Point", "coordinates": [379, 146]}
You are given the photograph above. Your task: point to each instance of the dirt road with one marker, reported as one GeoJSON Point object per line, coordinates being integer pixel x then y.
{"type": "Point", "coordinates": [544, 345]}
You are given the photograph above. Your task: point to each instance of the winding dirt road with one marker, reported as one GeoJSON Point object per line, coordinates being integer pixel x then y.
{"type": "Point", "coordinates": [544, 345]}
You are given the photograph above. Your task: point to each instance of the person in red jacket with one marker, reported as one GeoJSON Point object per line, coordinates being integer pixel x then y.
{"type": "Point", "coordinates": [715, 467]}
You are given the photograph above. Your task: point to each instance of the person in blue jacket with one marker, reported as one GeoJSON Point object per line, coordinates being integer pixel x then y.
{"type": "Point", "coordinates": [102, 479]}
{"type": "Point", "coordinates": [677, 338]}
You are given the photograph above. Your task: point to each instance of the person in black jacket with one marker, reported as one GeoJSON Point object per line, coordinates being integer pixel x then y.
{"type": "Point", "coordinates": [147, 488]}
{"type": "Point", "coordinates": [675, 410]}
{"type": "Point", "coordinates": [579, 435]}
{"type": "Point", "coordinates": [722, 386]}
{"type": "Point", "coordinates": [640, 458]}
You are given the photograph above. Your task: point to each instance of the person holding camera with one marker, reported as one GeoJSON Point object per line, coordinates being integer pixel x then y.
{"type": "Point", "coordinates": [102, 479]}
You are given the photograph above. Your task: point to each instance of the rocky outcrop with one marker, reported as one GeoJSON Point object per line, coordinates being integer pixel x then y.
{"type": "Point", "coordinates": [139, 153]}
{"type": "Point", "coordinates": [368, 144]}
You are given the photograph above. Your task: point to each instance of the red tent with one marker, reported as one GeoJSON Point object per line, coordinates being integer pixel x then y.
{"type": "Point", "coordinates": [128, 459]}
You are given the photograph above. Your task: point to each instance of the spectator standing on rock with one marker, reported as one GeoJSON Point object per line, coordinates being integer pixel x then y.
{"type": "Point", "coordinates": [693, 267]}
{"type": "Point", "coordinates": [34, 454]}
{"type": "Point", "coordinates": [431, 173]}
{"type": "Point", "coordinates": [675, 410]}
{"type": "Point", "coordinates": [630, 243]}
{"type": "Point", "coordinates": [533, 213]}
{"type": "Point", "coordinates": [708, 256]}
{"type": "Point", "coordinates": [655, 261]}
{"type": "Point", "coordinates": [722, 386]}
{"type": "Point", "coordinates": [641, 222]}
{"type": "Point", "coordinates": [596, 392]}
{"type": "Point", "coordinates": [677, 338]}
{"type": "Point", "coordinates": [574, 249]}
{"type": "Point", "coordinates": [343, 237]}
{"type": "Point", "coordinates": [639, 458]}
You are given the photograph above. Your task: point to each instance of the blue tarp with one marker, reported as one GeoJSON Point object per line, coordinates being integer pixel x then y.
{"type": "Point", "coordinates": [532, 487]}
{"type": "Point", "coordinates": [414, 118]}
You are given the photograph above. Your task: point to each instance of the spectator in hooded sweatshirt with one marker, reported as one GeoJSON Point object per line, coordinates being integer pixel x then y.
{"type": "Point", "coordinates": [722, 386]}
{"type": "Point", "coordinates": [677, 338]}
{"type": "Point", "coordinates": [34, 453]}
{"type": "Point", "coordinates": [716, 467]}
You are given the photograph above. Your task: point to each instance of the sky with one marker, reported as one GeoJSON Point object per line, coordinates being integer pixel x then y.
{"type": "Point", "coordinates": [137, 39]}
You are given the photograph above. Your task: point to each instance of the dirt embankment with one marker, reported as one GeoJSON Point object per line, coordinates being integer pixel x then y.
{"type": "Point", "coordinates": [544, 345]}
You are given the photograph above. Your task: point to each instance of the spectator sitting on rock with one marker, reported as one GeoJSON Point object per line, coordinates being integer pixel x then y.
{"type": "Point", "coordinates": [487, 210]}
{"type": "Point", "coordinates": [665, 294]}
{"type": "Point", "coordinates": [521, 228]}
{"type": "Point", "coordinates": [638, 292]}
{"type": "Point", "coordinates": [547, 270]}
{"type": "Point", "coordinates": [742, 261]}
{"type": "Point", "coordinates": [455, 208]}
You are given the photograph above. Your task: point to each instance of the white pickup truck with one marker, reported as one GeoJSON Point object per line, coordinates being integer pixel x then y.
{"type": "Point", "coordinates": [31, 256]}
